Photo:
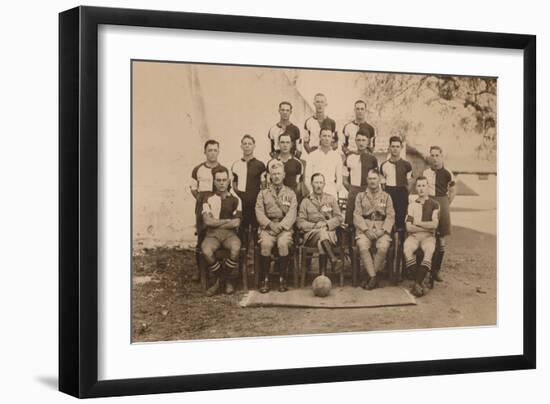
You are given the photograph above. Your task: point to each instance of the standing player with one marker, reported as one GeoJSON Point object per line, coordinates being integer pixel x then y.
{"type": "Point", "coordinates": [327, 161]}
{"type": "Point", "coordinates": [314, 124]}
{"type": "Point", "coordinates": [284, 126]}
{"type": "Point", "coordinates": [358, 125]}
{"type": "Point", "coordinates": [396, 174]}
{"type": "Point", "coordinates": [276, 210]}
{"type": "Point", "coordinates": [247, 178]}
{"type": "Point", "coordinates": [221, 213]}
{"type": "Point", "coordinates": [356, 168]}
{"type": "Point", "coordinates": [422, 221]}
{"type": "Point", "coordinates": [294, 169]}
{"type": "Point", "coordinates": [202, 183]}
{"type": "Point", "coordinates": [441, 186]}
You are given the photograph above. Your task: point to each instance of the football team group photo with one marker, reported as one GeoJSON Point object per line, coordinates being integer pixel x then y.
{"type": "Point", "coordinates": [274, 201]}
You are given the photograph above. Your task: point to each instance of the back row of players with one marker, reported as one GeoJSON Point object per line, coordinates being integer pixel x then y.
{"type": "Point", "coordinates": [304, 192]}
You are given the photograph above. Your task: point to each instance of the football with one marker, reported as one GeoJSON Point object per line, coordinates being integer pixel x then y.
{"type": "Point", "coordinates": [321, 286]}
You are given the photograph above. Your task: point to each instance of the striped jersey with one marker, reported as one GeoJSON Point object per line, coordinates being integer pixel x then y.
{"type": "Point", "coordinates": [247, 176]}
{"type": "Point", "coordinates": [313, 129]}
{"type": "Point", "coordinates": [277, 130]}
{"type": "Point", "coordinates": [396, 173]}
{"type": "Point", "coordinates": [426, 211]}
{"type": "Point", "coordinates": [201, 178]}
{"type": "Point", "coordinates": [357, 167]}
{"type": "Point", "coordinates": [439, 181]}
{"type": "Point", "coordinates": [226, 206]}
{"type": "Point", "coordinates": [352, 128]}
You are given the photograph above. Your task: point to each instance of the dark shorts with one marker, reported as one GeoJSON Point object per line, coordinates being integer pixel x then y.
{"type": "Point", "coordinates": [444, 228]}
{"type": "Point", "coordinates": [400, 199]}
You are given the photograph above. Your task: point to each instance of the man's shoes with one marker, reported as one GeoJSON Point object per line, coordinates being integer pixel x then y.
{"type": "Point", "coordinates": [437, 277]}
{"type": "Point", "coordinates": [229, 289]}
{"type": "Point", "coordinates": [409, 275]}
{"type": "Point", "coordinates": [430, 282]}
{"type": "Point", "coordinates": [265, 287]}
{"type": "Point", "coordinates": [365, 282]}
{"type": "Point", "coordinates": [373, 283]}
{"type": "Point", "coordinates": [417, 290]}
{"type": "Point", "coordinates": [282, 285]}
{"type": "Point", "coordinates": [212, 290]}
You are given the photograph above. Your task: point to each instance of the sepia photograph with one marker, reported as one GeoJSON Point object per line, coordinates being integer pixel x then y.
{"type": "Point", "coordinates": [271, 201]}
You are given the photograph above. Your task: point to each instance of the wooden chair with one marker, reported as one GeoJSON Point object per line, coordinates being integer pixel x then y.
{"type": "Point", "coordinates": [307, 253]}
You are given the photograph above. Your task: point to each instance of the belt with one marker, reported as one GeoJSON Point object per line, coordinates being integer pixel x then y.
{"type": "Point", "coordinates": [375, 216]}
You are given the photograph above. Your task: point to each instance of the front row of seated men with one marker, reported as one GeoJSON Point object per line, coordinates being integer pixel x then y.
{"type": "Point", "coordinates": [318, 217]}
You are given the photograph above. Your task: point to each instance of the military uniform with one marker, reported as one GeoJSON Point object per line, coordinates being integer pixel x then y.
{"type": "Point", "coordinates": [314, 210]}
{"type": "Point", "coordinates": [373, 211]}
{"type": "Point", "coordinates": [278, 205]}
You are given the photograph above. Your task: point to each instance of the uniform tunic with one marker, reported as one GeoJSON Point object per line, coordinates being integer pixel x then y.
{"type": "Point", "coordinates": [373, 211]}
{"type": "Point", "coordinates": [314, 210]}
{"type": "Point", "coordinates": [279, 207]}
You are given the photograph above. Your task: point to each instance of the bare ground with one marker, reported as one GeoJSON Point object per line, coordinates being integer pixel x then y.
{"type": "Point", "coordinates": [168, 306]}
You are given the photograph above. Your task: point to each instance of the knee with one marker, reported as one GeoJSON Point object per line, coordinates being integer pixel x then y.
{"type": "Point", "coordinates": [323, 234]}
{"type": "Point", "coordinates": [235, 246]}
{"type": "Point", "coordinates": [207, 250]}
{"type": "Point", "coordinates": [265, 248]}
{"type": "Point", "coordinates": [408, 249]}
{"type": "Point", "coordinates": [283, 245]}
{"type": "Point", "coordinates": [363, 244]}
{"type": "Point", "coordinates": [383, 243]}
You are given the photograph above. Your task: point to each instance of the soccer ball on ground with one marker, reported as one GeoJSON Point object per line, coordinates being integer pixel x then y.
{"type": "Point", "coordinates": [321, 286]}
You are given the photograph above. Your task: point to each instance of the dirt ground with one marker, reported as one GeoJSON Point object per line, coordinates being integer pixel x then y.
{"type": "Point", "coordinates": [167, 305]}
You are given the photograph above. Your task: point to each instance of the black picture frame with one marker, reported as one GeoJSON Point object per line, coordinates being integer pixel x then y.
{"type": "Point", "coordinates": [78, 200]}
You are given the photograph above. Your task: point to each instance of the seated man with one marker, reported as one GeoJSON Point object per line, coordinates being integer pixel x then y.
{"type": "Point", "coordinates": [221, 213]}
{"type": "Point", "coordinates": [373, 219]}
{"type": "Point", "coordinates": [422, 221]}
{"type": "Point", "coordinates": [276, 213]}
{"type": "Point", "coordinates": [318, 218]}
